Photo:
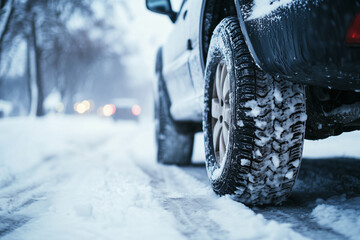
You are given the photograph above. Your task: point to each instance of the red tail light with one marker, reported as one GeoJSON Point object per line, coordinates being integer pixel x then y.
{"type": "Point", "coordinates": [353, 34]}
{"type": "Point", "coordinates": [136, 110]}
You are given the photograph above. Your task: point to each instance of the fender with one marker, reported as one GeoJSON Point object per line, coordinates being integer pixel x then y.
{"type": "Point", "coordinates": [304, 41]}
{"type": "Point", "coordinates": [158, 61]}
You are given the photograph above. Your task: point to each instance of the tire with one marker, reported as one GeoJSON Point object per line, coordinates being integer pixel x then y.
{"type": "Point", "coordinates": [254, 143]}
{"type": "Point", "coordinates": [174, 140]}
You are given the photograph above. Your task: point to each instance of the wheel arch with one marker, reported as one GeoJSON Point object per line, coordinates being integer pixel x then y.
{"type": "Point", "coordinates": [281, 42]}
{"type": "Point", "coordinates": [211, 17]}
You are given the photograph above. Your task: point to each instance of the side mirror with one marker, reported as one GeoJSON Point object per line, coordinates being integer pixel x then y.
{"type": "Point", "coordinates": [162, 7]}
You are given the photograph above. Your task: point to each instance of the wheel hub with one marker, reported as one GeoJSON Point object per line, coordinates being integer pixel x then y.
{"type": "Point", "coordinates": [220, 111]}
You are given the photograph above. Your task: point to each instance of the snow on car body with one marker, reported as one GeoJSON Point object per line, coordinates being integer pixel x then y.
{"type": "Point", "coordinates": [252, 62]}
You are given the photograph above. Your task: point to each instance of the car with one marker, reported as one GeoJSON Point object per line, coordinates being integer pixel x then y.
{"type": "Point", "coordinates": [257, 77]}
{"type": "Point", "coordinates": [123, 109]}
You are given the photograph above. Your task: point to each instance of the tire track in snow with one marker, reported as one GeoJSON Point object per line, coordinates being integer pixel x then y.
{"type": "Point", "coordinates": [20, 193]}
{"type": "Point", "coordinates": [9, 224]}
{"type": "Point", "coordinates": [25, 189]}
{"type": "Point", "coordinates": [203, 215]}
{"type": "Point", "coordinates": [175, 191]}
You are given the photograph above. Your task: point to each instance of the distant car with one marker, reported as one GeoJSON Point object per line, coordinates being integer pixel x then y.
{"type": "Point", "coordinates": [257, 77]}
{"type": "Point", "coordinates": [126, 109]}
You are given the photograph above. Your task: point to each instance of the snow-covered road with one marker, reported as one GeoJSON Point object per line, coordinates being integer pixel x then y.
{"type": "Point", "coordinates": [89, 178]}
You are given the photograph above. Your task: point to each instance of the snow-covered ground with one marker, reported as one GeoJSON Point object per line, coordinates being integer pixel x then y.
{"type": "Point", "coordinates": [88, 178]}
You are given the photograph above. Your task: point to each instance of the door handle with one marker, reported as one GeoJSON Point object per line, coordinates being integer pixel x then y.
{"type": "Point", "coordinates": [185, 14]}
{"type": "Point", "coordinates": [189, 44]}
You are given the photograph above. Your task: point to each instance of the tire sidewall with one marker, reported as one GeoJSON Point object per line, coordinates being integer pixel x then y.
{"type": "Point", "coordinates": [220, 49]}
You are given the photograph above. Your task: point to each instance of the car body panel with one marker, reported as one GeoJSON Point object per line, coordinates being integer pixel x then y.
{"type": "Point", "coordinates": [182, 48]}
{"type": "Point", "coordinates": [305, 42]}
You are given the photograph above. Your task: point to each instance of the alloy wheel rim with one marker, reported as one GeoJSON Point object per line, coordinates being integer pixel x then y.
{"type": "Point", "coordinates": [220, 111]}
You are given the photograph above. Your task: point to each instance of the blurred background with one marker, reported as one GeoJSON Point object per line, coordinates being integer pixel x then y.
{"type": "Point", "coordinates": [78, 57]}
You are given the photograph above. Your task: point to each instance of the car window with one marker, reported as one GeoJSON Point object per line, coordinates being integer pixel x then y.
{"type": "Point", "coordinates": [180, 6]}
{"type": "Point", "coordinates": [177, 5]}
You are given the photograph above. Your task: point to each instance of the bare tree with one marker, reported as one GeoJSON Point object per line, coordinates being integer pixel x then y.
{"type": "Point", "coordinates": [58, 55]}
{"type": "Point", "coordinates": [6, 11]}
{"type": "Point", "coordinates": [39, 23]}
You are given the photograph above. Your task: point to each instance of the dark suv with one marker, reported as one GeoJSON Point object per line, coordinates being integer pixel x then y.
{"type": "Point", "coordinates": [257, 77]}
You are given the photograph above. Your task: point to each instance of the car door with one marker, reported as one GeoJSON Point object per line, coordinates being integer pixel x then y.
{"type": "Point", "coordinates": [195, 64]}
{"type": "Point", "coordinates": [176, 71]}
